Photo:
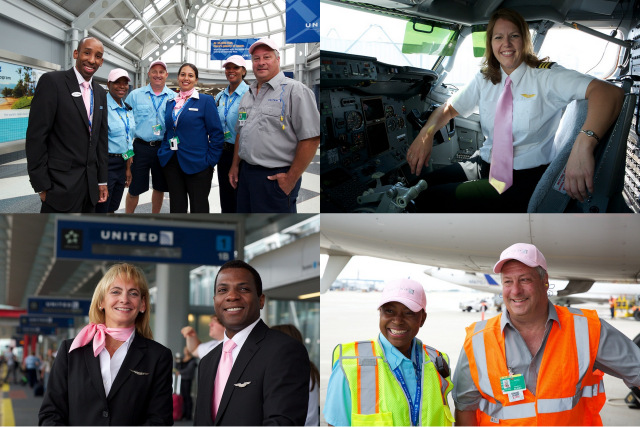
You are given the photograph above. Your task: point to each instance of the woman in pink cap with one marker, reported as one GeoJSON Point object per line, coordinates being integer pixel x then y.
{"type": "Point", "coordinates": [235, 70]}
{"type": "Point", "coordinates": [112, 373]}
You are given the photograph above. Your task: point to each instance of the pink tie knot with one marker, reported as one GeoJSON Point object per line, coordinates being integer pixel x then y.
{"type": "Point", "coordinates": [229, 346]}
{"type": "Point", "coordinates": [86, 85]}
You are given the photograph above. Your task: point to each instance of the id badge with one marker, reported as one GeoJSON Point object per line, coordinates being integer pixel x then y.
{"type": "Point", "coordinates": [173, 143]}
{"type": "Point", "coordinates": [513, 386]}
{"type": "Point", "coordinates": [157, 129]}
{"type": "Point", "coordinates": [127, 155]}
{"type": "Point", "coordinates": [227, 136]}
{"type": "Point", "coordinates": [242, 116]}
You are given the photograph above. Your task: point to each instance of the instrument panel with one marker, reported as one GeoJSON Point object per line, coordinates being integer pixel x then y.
{"type": "Point", "coordinates": [365, 129]}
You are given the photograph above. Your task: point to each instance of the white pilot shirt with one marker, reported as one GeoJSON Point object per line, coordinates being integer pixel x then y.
{"type": "Point", "coordinates": [109, 366]}
{"type": "Point", "coordinates": [539, 95]}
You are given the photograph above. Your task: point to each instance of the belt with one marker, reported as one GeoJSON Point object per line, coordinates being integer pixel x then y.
{"type": "Point", "coordinates": [228, 147]}
{"type": "Point", "coordinates": [149, 143]}
{"type": "Point", "coordinates": [115, 155]}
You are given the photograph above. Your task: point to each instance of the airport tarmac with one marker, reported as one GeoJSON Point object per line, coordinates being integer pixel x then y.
{"type": "Point", "coordinates": [347, 316]}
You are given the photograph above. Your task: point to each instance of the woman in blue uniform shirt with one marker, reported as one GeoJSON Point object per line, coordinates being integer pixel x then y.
{"type": "Point", "coordinates": [191, 146]}
{"type": "Point", "coordinates": [120, 135]}
{"type": "Point", "coordinates": [235, 70]}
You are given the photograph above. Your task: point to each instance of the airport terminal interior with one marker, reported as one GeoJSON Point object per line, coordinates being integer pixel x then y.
{"type": "Point", "coordinates": [377, 69]}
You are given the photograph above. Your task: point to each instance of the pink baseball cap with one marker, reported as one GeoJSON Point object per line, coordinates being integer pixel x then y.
{"type": "Point", "coordinates": [158, 62]}
{"type": "Point", "coordinates": [116, 73]}
{"type": "Point", "coordinates": [526, 253]}
{"type": "Point", "coordinates": [264, 41]}
{"type": "Point", "coordinates": [235, 59]}
{"type": "Point", "coordinates": [405, 291]}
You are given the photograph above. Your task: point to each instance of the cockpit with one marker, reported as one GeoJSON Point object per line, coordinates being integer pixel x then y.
{"type": "Point", "coordinates": [380, 85]}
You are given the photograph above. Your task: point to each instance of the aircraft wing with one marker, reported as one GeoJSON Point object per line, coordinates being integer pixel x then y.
{"type": "Point", "coordinates": [576, 246]}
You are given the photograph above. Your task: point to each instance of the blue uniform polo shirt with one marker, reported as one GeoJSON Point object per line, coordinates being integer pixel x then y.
{"type": "Point", "coordinates": [120, 121]}
{"type": "Point", "coordinates": [230, 103]}
{"type": "Point", "coordinates": [146, 113]}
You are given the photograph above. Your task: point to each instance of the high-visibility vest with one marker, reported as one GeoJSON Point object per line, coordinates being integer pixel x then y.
{"type": "Point", "coordinates": [568, 391]}
{"type": "Point", "coordinates": [377, 398]}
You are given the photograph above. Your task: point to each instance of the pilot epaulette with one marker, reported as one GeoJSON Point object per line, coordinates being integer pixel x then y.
{"type": "Point", "coordinates": [546, 64]}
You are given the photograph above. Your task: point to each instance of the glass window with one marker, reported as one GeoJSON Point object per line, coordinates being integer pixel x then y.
{"type": "Point", "coordinates": [581, 51]}
{"type": "Point", "coordinates": [304, 315]}
{"type": "Point", "coordinates": [466, 65]}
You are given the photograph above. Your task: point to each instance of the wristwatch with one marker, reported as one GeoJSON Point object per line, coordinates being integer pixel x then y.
{"type": "Point", "coordinates": [591, 133]}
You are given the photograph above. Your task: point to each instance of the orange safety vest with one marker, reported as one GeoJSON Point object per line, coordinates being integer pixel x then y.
{"type": "Point", "coordinates": [569, 391]}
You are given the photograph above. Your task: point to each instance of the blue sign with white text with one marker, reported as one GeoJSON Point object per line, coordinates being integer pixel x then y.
{"type": "Point", "coordinates": [35, 330]}
{"type": "Point", "coordinates": [47, 321]}
{"type": "Point", "coordinates": [303, 21]}
{"type": "Point", "coordinates": [135, 241]}
{"type": "Point", "coordinates": [58, 306]}
{"type": "Point", "coordinates": [222, 49]}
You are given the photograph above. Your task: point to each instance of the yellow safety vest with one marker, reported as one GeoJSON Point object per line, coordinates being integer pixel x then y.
{"type": "Point", "coordinates": [377, 399]}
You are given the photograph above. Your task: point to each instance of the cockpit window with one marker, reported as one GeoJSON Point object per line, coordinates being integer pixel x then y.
{"type": "Point", "coordinates": [581, 51]}
{"type": "Point", "coordinates": [380, 36]}
{"type": "Point", "coordinates": [429, 39]}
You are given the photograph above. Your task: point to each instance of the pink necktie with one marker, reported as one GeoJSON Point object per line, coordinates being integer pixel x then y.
{"type": "Point", "coordinates": [98, 331]}
{"type": "Point", "coordinates": [224, 369]}
{"type": "Point", "coordinates": [86, 97]}
{"type": "Point", "coordinates": [501, 172]}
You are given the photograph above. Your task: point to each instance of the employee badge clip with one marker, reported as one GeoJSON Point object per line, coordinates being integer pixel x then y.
{"type": "Point", "coordinates": [242, 116]}
{"type": "Point", "coordinates": [513, 386]}
{"type": "Point", "coordinates": [129, 154]}
{"type": "Point", "coordinates": [173, 143]}
{"type": "Point", "coordinates": [157, 129]}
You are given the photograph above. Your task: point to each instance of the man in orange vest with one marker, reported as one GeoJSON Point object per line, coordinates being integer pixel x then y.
{"type": "Point", "coordinates": [538, 364]}
{"type": "Point", "coordinates": [612, 306]}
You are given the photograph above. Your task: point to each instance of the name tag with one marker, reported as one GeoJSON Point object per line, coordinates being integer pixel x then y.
{"type": "Point", "coordinates": [193, 109]}
{"type": "Point", "coordinates": [76, 94]}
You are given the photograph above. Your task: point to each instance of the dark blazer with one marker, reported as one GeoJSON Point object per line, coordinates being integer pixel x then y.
{"type": "Point", "coordinates": [140, 394]}
{"type": "Point", "coordinates": [62, 155]}
{"type": "Point", "coordinates": [199, 132]}
{"type": "Point", "coordinates": [275, 368]}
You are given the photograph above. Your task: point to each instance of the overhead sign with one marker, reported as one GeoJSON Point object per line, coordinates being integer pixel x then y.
{"type": "Point", "coordinates": [135, 240]}
{"type": "Point", "coordinates": [222, 49]}
{"type": "Point", "coordinates": [58, 306]}
{"type": "Point", "coordinates": [47, 321]}
{"type": "Point", "coordinates": [303, 21]}
{"type": "Point", "coordinates": [36, 330]}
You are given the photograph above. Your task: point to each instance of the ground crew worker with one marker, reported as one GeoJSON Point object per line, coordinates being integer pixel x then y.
{"type": "Point", "coordinates": [539, 364]}
{"type": "Point", "coordinates": [395, 380]}
{"type": "Point", "coordinates": [612, 306]}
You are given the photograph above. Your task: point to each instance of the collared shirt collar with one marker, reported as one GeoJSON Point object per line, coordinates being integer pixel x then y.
{"type": "Point", "coordinates": [274, 82]}
{"type": "Point", "coordinates": [148, 89]}
{"type": "Point", "coordinates": [516, 75]}
{"type": "Point", "coordinates": [241, 336]}
{"type": "Point", "coordinates": [240, 90]}
{"type": "Point", "coordinates": [392, 354]}
{"type": "Point", "coordinates": [553, 315]}
{"type": "Point", "coordinates": [80, 78]}
{"type": "Point", "coordinates": [111, 103]}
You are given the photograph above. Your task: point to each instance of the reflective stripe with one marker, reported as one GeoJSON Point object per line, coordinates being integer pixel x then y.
{"type": "Point", "coordinates": [514, 412]}
{"type": "Point", "coordinates": [368, 392]}
{"type": "Point", "coordinates": [547, 406]}
{"type": "Point", "coordinates": [479, 354]}
{"type": "Point", "coordinates": [433, 354]}
{"type": "Point", "coordinates": [581, 328]}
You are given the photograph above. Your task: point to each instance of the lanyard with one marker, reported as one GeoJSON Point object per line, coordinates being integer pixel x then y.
{"type": "Point", "coordinates": [126, 125]}
{"type": "Point", "coordinates": [176, 116]}
{"type": "Point", "coordinates": [154, 102]}
{"type": "Point", "coordinates": [413, 409]}
{"type": "Point", "coordinates": [227, 106]}
{"type": "Point", "coordinates": [282, 101]}
{"type": "Point", "coordinates": [90, 108]}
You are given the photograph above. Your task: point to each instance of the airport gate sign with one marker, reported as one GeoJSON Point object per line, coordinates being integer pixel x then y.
{"type": "Point", "coordinates": [145, 241]}
{"type": "Point", "coordinates": [63, 307]}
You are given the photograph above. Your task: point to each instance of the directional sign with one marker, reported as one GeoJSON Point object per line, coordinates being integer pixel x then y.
{"type": "Point", "coordinates": [47, 321]}
{"type": "Point", "coordinates": [155, 241]}
{"type": "Point", "coordinates": [58, 306]}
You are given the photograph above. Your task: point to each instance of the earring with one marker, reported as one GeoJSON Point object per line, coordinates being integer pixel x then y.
{"type": "Point", "coordinates": [141, 311]}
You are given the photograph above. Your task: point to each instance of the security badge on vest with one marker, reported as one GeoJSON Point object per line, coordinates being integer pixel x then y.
{"type": "Point", "coordinates": [513, 386]}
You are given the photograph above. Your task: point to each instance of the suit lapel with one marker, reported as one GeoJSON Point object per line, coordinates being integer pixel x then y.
{"type": "Point", "coordinates": [134, 355]}
{"type": "Point", "coordinates": [249, 349]}
{"type": "Point", "coordinates": [93, 366]}
{"type": "Point", "coordinates": [97, 104]}
{"type": "Point", "coordinates": [208, 378]}
{"type": "Point", "coordinates": [73, 86]}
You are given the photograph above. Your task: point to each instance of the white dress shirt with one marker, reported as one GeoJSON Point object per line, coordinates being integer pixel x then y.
{"type": "Point", "coordinates": [239, 338]}
{"type": "Point", "coordinates": [109, 366]}
{"type": "Point", "coordinates": [539, 95]}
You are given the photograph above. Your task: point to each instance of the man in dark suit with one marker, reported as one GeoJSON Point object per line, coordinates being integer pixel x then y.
{"type": "Point", "coordinates": [269, 380]}
{"type": "Point", "coordinates": [66, 141]}
{"type": "Point", "coordinates": [140, 394]}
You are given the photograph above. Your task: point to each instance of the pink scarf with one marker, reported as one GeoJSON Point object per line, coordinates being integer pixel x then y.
{"type": "Point", "coordinates": [98, 331]}
{"type": "Point", "coordinates": [182, 98]}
